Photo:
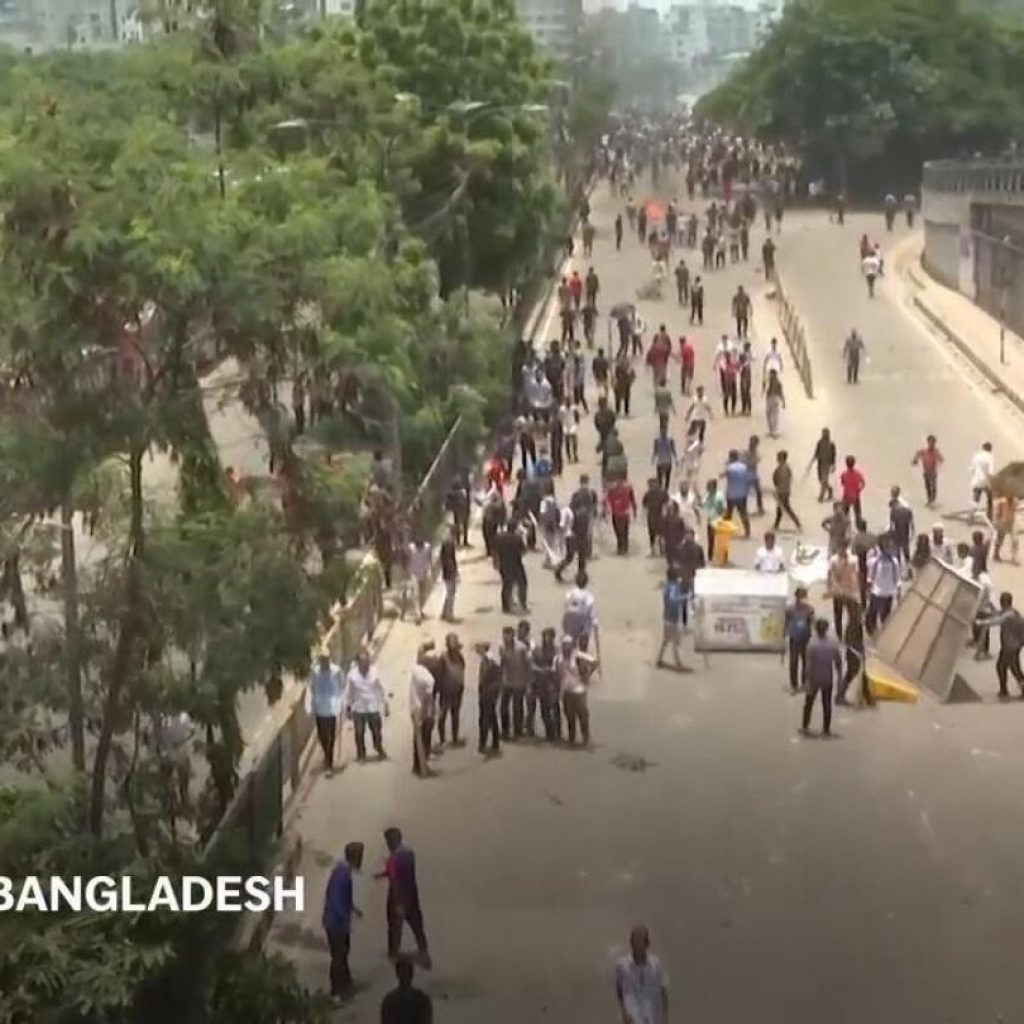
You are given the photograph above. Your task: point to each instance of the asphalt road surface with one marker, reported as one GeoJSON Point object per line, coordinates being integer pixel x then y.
{"type": "Point", "coordinates": [873, 877]}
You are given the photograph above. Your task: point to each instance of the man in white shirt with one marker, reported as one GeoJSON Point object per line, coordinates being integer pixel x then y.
{"type": "Point", "coordinates": [640, 983]}
{"type": "Point", "coordinates": [982, 470]}
{"type": "Point", "coordinates": [325, 702]}
{"type": "Point", "coordinates": [769, 557]}
{"type": "Point", "coordinates": [884, 586]}
{"type": "Point", "coordinates": [772, 361]}
{"type": "Point", "coordinates": [420, 576]}
{"type": "Point", "coordinates": [579, 618]}
{"type": "Point", "coordinates": [366, 703]}
{"type": "Point", "coordinates": [421, 708]}
{"type": "Point", "coordinates": [539, 394]}
{"type": "Point", "coordinates": [573, 669]}
{"type": "Point", "coordinates": [871, 266]}
{"type": "Point", "coordinates": [699, 414]}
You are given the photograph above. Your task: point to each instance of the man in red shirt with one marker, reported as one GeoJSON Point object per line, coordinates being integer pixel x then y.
{"type": "Point", "coordinates": [851, 483]}
{"type": "Point", "coordinates": [930, 459]}
{"type": "Point", "coordinates": [659, 354]}
{"type": "Point", "coordinates": [576, 289]}
{"type": "Point", "coordinates": [688, 359]}
{"type": "Point", "coordinates": [620, 501]}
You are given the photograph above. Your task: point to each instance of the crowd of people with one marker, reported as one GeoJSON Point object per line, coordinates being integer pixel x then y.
{"type": "Point", "coordinates": [540, 510]}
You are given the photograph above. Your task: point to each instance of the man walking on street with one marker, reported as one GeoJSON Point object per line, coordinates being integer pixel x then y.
{"type": "Point", "coordinates": [673, 604]}
{"type": "Point", "coordinates": [929, 458]}
{"type": "Point", "coordinates": [403, 903]}
{"type": "Point", "coordinates": [799, 619]}
{"type": "Point", "coordinates": [339, 909]}
{"type": "Point", "coordinates": [366, 703]}
{"type": "Point", "coordinates": [853, 352]}
{"type": "Point", "coordinates": [325, 689]}
{"type": "Point", "coordinates": [824, 671]}
{"type": "Point", "coordinates": [1011, 640]}
{"type": "Point", "coordinates": [640, 984]}
{"type": "Point", "coordinates": [620, 502]}
{"type": "Point", "coordinates": [449, 561]}
{"type": "Point", "coordinates": [697, 302]}
{"type": "Point", "coordinates": [515, 678]}
{"type": "Point", "coordinates": [782, 480]}
{"type": "Point", "coordinates": [737, 489]}
{"type": "Point", "coordinates": [741, 307]}
{"type": "Point", "coordinates": [824, 460]}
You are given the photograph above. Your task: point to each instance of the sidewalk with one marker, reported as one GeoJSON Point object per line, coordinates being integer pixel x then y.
{"type": "Point", "coordinates": [974, 332]}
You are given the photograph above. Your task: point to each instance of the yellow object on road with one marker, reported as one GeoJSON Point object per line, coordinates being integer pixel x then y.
{"type": "Point", "coordinates": [887, 688]}
{"type": "Point", "coordinates": [723, 529]}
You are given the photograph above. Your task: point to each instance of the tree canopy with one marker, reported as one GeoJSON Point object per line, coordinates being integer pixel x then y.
{"type": "Point", "coordinates": [308, 206]}
{"type": "Point", "coordinates": [867, 92]}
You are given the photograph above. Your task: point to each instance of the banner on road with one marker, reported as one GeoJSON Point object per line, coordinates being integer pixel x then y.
{"type": "Point", "coordinates": [739, 610]}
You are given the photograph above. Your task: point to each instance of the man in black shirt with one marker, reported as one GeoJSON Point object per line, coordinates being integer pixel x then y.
{"type": "Point", "coordinates": [1011, 640]}
{"type": "Point", "coordinates": [449, 573]}
{"type": "Point", "coordinates": [406, 1004]}
{"type": "Point", "coordinates": [510, 549]}
{"type": "Point", "coordinates": [824, 460]}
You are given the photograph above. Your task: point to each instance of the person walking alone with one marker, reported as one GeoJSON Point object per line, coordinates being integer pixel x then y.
{"type": "Point", "coordinates": [620, 502]}
{"type": "Point", "coordinates": [640, 984]}
{"type": "Point", "coordinates": [339, 909]}
{"type": "Point", "coordinates": [929, 458]}
{"type": "Point", "coordinates": [799, 621]}
{"type": "Point", "coordinates": [403, 902]}
{"type": "Point", "coordinates": [325, 692]}
{"type": "Point", "coordinates": [824, 671]}
{"type": "Point", "coordinates": [366, 703]}
{"type": "Point", "coordinates": [782, 481]}
{"type": "Point", "coordinates": [853, 353]}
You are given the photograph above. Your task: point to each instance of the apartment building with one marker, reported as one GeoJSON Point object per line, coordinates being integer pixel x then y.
{"type": "Point", "coordinates": [554, 24]}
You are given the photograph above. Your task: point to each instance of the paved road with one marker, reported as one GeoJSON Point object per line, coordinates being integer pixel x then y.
{"type": "Point", "coordinates": [874, 877]}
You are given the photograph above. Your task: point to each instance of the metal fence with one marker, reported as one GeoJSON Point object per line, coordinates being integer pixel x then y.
{"type": "Point", "coordinates": [999, 279]}
{"type": "Point", "coordinates": [796, 337]}
{"type": "Point", "coordinates": [255, 817]}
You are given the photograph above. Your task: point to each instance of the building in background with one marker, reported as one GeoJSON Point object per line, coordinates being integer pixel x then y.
{"type": "Point", "coordinates": [554, 24]}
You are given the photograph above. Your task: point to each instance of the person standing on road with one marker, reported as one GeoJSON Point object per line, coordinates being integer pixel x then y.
{"type": "Point", "coordinates": [982, 470]}
{"type": "Point", "coordinates": [326, 702]}
{"type": "Point", "coordinates": [772, 362]}
{"type": "Point", "coordinates": [511, 549]}
{"type": "Point", "coordinates": [515, 678]}
{"type": "Point", "coordinates": [741, 307]}
{"type": "Point", "coordinates": [579, 617]}
{"type": "Point", "coordinates": [688, 560]}
{"type": "Point", "coordinates": [618, 232]}
{"type": "Point", "coordinates": [339, 909]}
{"type": "Point", "coordinates": [746, 375]}
{"type": "Point", "coordinates": [403, 903]}
{"type": "Point", "coordinates": [1004, 521]}
{"type": "Point", "coordinates": [451, 686]}
{"type": "Point", "coordinates": [640, 984]}
{"type": "Point", "coordinates": [697, 301]}
{"type": "Point", "coordinates": [366, 703]}
{"type": "Point", "coordinates": [544, 688]}
{"type": "Point", "coordinates": [901, 523]}
{"type": "Point", "coordinates": [851, 486]}
{"type": "Point", "coordinates": [782, 481]}
{"type": "Point", "coordinates": [842, 584]}
{"type": "Point", "coordinates": [422, 686]}
{"type": "Point", "coordinates": [673, 604]}
{"type": "Point", "coordinates": [884, 585]}
{"type": "Point", "coordinates": [622, 384]}
{"type": "Point", "coordinates": [449, 562]}
{"type": "Point", "coordinates": [853, 352]}
{"type": "Point", "coordinates": [1011, 640]}
{"type": "Point", "coordinates": [929, 458]}
{"type": "Point", "coordinates": [620, 502]}
{"type": "Point", "coordinates": [574, 668]}
{"type": "Point", "coordinates": [824, 670]}
{"type": "Point", "coordinates": [682, 273]}
{"type": "Point", "coordinates": [752, 457]}
{"type": "Point", "coordinates": [768, 257]}
{"type": "Point", "coordinates": [406, 1004]}
{"type": "Point", "coordinates": [774, 403]}
{"type": "Point", "coordinates": [737, 489]}
{"type": "Point", "coordinates": [488, 694]}
{"type": "Point", "coordinates": [421, 575]}
{"type": "Point", "coordinates": [799, 617]}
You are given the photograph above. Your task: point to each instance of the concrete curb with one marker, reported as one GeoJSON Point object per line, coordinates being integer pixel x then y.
{"type": "Point", "coordinates": [998, 385]}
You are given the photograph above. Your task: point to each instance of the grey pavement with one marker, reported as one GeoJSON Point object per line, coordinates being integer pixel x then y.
{"type": "Point", "coordinates": [872, 877]}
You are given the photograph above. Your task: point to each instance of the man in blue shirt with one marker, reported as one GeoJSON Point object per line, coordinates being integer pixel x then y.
{"type": "Point", "coordinates": [339, 908]}
{"type": "Point", "coordinates": [737, 488]}
{"type": "Point", "coordinates": [673, 603]}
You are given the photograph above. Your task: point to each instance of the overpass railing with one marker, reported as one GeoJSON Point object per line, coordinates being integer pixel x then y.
{"type": "Point", "coordinates": [796, 337]}
{"type": "Point", "coordinates": [996, 174]}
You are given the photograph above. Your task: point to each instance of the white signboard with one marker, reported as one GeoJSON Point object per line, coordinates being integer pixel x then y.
{"type": "Point", "coordinates": [737, 610]}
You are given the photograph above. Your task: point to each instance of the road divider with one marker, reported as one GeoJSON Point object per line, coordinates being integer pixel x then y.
{"type": "Point", "coordinates": [795, 334]}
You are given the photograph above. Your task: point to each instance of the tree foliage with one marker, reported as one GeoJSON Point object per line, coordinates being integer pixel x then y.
{"type": "Point", "coordinates": [868, 92]}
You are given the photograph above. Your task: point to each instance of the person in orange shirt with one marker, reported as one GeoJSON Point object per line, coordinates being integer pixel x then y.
{"type": "Point", "coordinates": [576, 289]}
{"type": "Point", "coordinates": [620, 501]}
{"type": "Point", "coordinates": [688, 359]}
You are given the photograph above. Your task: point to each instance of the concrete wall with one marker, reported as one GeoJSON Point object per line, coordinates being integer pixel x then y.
{"type": "Point", "coordinates": [942, 252]}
